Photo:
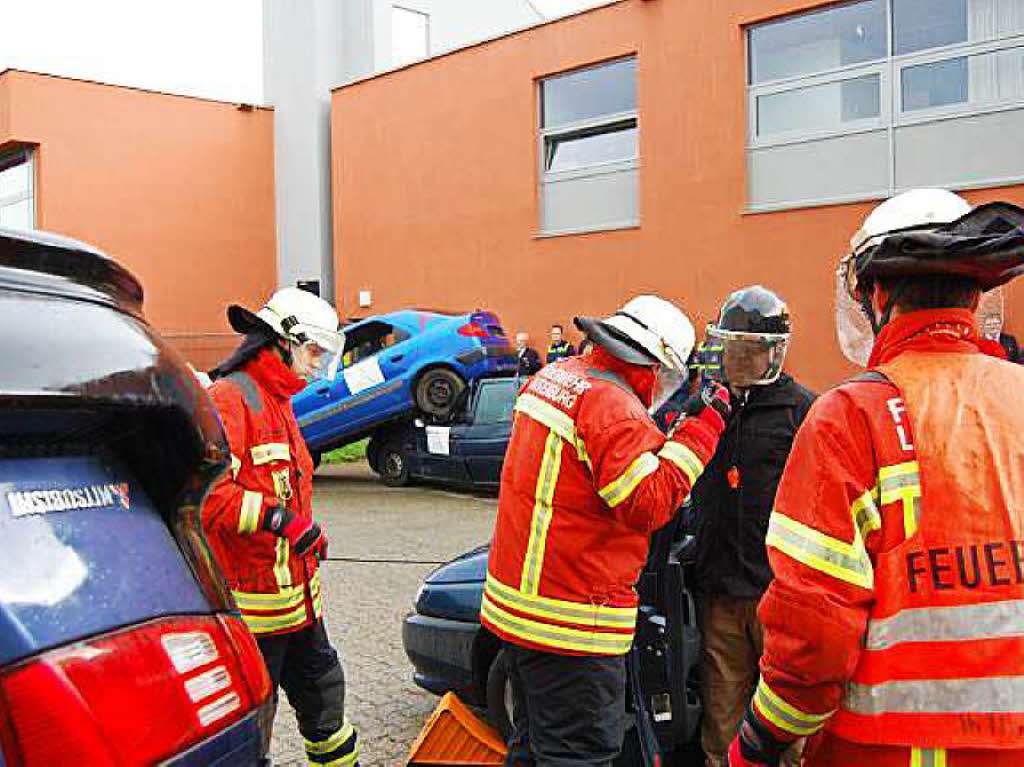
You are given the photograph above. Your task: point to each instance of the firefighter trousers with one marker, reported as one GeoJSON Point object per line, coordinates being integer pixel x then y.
{"type": "Point", "coordinates": [732, 642]}
{"type": "Point", "coordinates": [568, 711]}
{"type": "Point", "coordinates": [305, 664]}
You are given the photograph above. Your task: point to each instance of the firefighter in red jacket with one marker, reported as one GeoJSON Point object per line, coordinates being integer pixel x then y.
{"type": "Point", "coordinates": [258, 517]}
{"type": "Point", "coordinates": [894, 627]}
{"type": "Point", "coordinates": [587, 478]}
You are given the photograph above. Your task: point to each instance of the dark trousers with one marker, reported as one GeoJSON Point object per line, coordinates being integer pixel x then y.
{"type": "Point", "coordinates": [305, 664]}
{"type": "Point", "coordinates": [568, 711]}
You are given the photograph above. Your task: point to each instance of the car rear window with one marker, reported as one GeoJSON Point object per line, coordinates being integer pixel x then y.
{"type": "Point", "coordinates": [495, 402]}
{"type": "Point", "coordinates": [83, 551]}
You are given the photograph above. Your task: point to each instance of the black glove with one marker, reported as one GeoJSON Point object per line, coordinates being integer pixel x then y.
{"type": "Point", "coordinates": [302, 533]}
{"type": "Point", "coordinates": [713, 397]}
{"type": "Point", "coordinates": [755, 745]}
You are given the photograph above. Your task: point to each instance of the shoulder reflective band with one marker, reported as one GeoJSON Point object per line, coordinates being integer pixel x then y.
{"type": "Point", "coordinates": [902, 482]}
{"type": "Point", "coordinates": [272, 451]}
{"type": "Point", "coordinates": [620, 489]}
{"type": "Point", "coordinates": [560, 609]}
{"type": "Point", "coordinates": [927, 757]}
{"type": "Point", "coordinates": [991, 695]}
{"type": "Point", "coordinates": [547, 478]}
{"type": "Point", "coordinates": [845, 561]}
{"type": "Point", "coordinates": [785, 716]}
{"type": "Point", "coordinates": [958, 623]}
{"type": "Point", "coordinates": [550, 416]}
{"type": "Point", "coordinates": [684, 458]}
{"type": "Point", "coordinates": [558, 637]}
{"type": "Point", "coordinates": [249, 516]}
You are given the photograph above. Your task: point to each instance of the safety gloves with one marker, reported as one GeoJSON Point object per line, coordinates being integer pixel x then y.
{"type": "Point", "coordinates": [711, 406]}
{"type": "Point", "coordinates": [755, 745]}
{"type": "Point", "coordinates": [303, 534]}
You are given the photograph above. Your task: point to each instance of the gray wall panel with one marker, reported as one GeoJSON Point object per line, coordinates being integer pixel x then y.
{"type": "Point", "coordinates": [961, 151]}
{"type": "Point", "coordinates": [819, 171]}
{"type": "Point", "coordinates": [591, 202]}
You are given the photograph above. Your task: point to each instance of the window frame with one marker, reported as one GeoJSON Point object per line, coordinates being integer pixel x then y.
{"type": "Point", "coordinates": [426, 34]}
{"type": "Point", "coordinates": [29, 159]}
{"type": "Point", "coordinates": [613, 121]}
{"type": "Point", "coordinates": [891, 117]}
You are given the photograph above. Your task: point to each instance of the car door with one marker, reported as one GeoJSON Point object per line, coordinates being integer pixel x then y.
{"type": "Point", "coordinates": [484, 439]}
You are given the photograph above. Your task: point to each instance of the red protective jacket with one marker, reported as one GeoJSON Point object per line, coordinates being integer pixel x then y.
{"type": "Point", "coordinates": [276, 590]}
{"type": "Point", "coordinates": [587, 478]}
{"type": "Point", "coordinates": [895, 623]}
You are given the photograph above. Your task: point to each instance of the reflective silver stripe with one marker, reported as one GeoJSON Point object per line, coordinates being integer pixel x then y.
{"type": "Point", "coordinates": [991, 695]}
{"type": "Point", "coordinates": [786, 716]}
{"type": "Point", "coordinates": [927, 757]}
{"type": "Point", "coordinates": [865, 514]}
{"type": "Point", "coordinates": [550, 416]}
{"type": "Point", "coordinates": [236, 466]}
{"type": "Point", "coordinates": [958, 623]}
{"type": "Point", "coordinates": [619, 490]}
{"type": "Point", "coordinates": [559, 609]}
{"type": "Point", "coordinates": [249, 516]}
{"type": "Point", "coordinates": [684, 458]}
{"type": "Point", "coordinates": [902, 482]}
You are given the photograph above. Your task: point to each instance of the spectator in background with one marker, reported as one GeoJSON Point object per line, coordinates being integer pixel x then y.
{"type": "Point", "coordinates": [709, 360]}
{"type": "Point", "coordinates": [559, 348]}
{"type": "Point", "coordinates": [528, 359]}
{"type": "Point", "coordinates": [1009, 344]}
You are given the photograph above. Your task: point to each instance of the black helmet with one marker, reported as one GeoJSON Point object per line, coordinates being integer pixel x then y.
{"type": "Point", "coordinates": [753, 329]}
{"type": "Point", "coordinates": [754, 310]}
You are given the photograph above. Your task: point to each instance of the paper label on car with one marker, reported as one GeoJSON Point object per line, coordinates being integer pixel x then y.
{"type": "Point", "coordinates": [437, 439]}
{"type": "Point", "coordinates": [363, 375]}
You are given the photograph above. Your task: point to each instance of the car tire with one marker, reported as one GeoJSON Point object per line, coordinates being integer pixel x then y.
{"type": "Point", "coordinates": [499, 696]}
{"type": "Point", "coordinates": [317, 457]}
{"type": "Point", "coordinates": [393, 465]}
{"type": "Point", "coordinates": [373, 454]}
{"type": "Point", "coordinates": [437, 392]}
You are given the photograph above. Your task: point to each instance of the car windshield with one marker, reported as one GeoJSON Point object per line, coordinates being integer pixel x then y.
{"type": "Point", "coordinates": [495, 401]}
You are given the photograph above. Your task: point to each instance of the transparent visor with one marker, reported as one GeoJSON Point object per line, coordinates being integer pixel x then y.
{"type": "Point", "coordinates": [990, 314]}
{"type": "Point", "coordinates": [319, 356]}
{"type": "Point", "coordinates": [666, 383]}
{"type": "Point", "coordinates": [853, 329]}
{"type": "Point", "coordinates": [751, 359]}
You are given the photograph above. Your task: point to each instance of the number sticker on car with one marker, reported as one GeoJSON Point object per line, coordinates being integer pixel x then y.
{"type": "Point", "coordinates": [363, 375]}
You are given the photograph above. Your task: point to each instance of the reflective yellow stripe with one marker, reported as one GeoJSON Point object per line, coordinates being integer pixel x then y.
{"type": "Point", "coordinates": [684, 458]}
{"type": "Point", "coordinates": [845, 561]}
{"type": "Point", "coordinates": [281, 572]}
{"type": "Point", "coordinates": [261, 624]}
{"type": "Point", "coordinates": [785, 716]}
{"type": "Point", "coordinates": [557, 421]}
{"type": "Point", "coordinates": [236, 465]}
{"type": "Point", "coordinates": [620, 489]}
{"type": "Point", "coordinates": [279, 601]}
{"type": "Point", "coordinates": [249, 516]}
{"type": "Point", "coordinates": [927, 757]}
{"type": "Point", "coordinates": [547, 478]}
{"type": "Point", "coordinates": [560, 637]}
{"type": "Point", "coordinates": [271, 451]}
{"type": "Point", "coordinates": [336, 740]}
{"type": "Point", "coordinates": [902, 482]}
{"type": "Point", "coordinates": [865, 513]}
{"type": "Point", "coordinates": [560, 609]}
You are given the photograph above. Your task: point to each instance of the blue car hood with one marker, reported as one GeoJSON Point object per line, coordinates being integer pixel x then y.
{"type": "Point", "coordinates": [470, 567]}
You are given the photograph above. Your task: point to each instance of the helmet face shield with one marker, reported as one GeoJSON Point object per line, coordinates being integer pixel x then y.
{"type": "Point", "coordinates": [313, 361]}
{"type": "Point", "coordinates": [751, 359]}
{"type": "Point", "coordinates": [853, 328]}
{"type": "Point", "coordinates": [667, 382]}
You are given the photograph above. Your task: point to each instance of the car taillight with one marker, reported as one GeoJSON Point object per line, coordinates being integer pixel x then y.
{"type": "Point", "coordinates": [473, 330]}
{"type": "Point", "coordinates": [132, 697]}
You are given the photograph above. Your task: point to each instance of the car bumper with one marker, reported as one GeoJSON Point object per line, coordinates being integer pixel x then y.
{"type": "Point", "coordinates": [441, 652]}
{"type": "Point", "coordinates": [241, 745]}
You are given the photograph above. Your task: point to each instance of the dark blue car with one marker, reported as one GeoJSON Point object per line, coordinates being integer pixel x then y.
{"type": "Point", "coordinates": [119, 641]}
{"type": "Point", "coordinates": [468, 452]}
{"type": "Point", "coordinates": [398, 364]}
{"type": "Point", "coordinates": [451, 651]}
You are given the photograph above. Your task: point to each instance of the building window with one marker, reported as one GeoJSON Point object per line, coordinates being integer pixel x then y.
{"type": "Point", "coordinates": [869, 98]}
{"type": "Point", "coordinates": [410, 35]}
{"type": "Point", "coordinates": [17, 196]}
{"type": "Point", "coordinates": [589, 149]}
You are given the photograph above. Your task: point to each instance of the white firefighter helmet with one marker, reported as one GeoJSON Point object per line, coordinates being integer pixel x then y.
{"type": "Point", "coordinates": [299, 317]}
{"type": "Point", "coordinates": [650, 331]}
{"type": "Point", "coordinates": [909, 210]}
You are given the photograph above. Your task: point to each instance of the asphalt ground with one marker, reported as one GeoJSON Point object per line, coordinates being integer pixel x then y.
{"type": "Point", "coordinates": [388, 540]}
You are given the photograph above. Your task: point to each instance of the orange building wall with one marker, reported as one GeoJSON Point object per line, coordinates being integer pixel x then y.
{"type": "Point", "coordinates": [180, 190]}
{"type": "Point", "coordinates": [435, 184]}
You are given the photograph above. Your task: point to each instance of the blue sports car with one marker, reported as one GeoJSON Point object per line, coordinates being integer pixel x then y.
{"type": "Point", "coordinates": [397, 364]}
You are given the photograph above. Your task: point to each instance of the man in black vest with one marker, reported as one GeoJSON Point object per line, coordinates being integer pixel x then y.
{"type": "Point", "coordinates": [732, 501]}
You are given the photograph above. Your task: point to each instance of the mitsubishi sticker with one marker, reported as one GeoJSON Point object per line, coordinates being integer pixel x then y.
{"type": "Point", "coordinates": [25, 502]}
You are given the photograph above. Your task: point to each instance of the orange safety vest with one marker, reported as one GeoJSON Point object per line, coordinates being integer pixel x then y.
{"type": "Point", "coordinates": [943, 659]}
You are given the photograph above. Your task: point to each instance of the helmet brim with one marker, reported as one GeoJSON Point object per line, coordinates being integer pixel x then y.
{"type": "Point", "coordinates": [245, 322]}
{"type": "Point", "coordinates": [613, 341]}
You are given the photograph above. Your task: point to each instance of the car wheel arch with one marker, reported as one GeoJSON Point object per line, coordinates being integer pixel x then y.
{"type": "Point", "coordinates": [486, 647]}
